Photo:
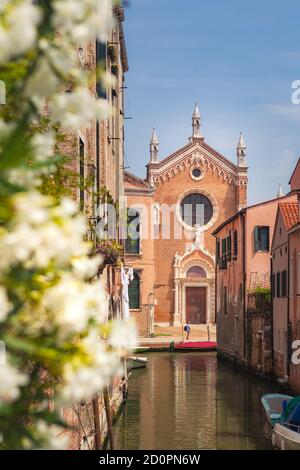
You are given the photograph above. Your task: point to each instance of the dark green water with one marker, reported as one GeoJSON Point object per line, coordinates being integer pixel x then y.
{"type": "Point", "coordinates": [192, 401]}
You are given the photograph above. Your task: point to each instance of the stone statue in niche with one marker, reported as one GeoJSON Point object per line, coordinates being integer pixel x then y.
{"type": "Point", "coordinates": [198, 235]}
{"type": "Point", "coordinates": [177, 259]}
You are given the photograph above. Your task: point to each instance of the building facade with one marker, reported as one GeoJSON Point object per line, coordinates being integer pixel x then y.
{"type": "Point", "coordinates": [183, 198]}
{"type": "Point", "coordinates": [95, 158]}
{"type": "Point", "coordinates": [287, 217]}
{"type": "Point", "coordinates": [286, 287]}
{"type": "Point", "coordinates": [243, 286]}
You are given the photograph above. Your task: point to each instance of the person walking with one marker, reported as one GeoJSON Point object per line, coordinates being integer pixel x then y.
{"type": "Point", "coordinates": [187, 329]}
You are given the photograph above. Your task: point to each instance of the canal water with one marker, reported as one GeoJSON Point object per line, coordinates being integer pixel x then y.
{"type": "Point", "coordinates": [192, 401]}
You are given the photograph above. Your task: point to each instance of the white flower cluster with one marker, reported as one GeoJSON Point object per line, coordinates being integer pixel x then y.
{"type": "Point", "coordinates": [82, 382]}
{"type": "Point", "coordinates": [56, 440]}
{"type": "Point", "coordinates": [5, 305]}
{"type": "Point", "coordinates": [43, 146]}
{"type": "Point", "coordinates": [40, 233]}
{"type": "Point", "coordinates": [76, 109]}
{"type": "Point", "coordinates": [18, 30]}
{"type": "Point", "coordinates": [72, 303]}
{"type": "Point", "coordinates": [11, 379]}
{"type": "Point", "coordinates": [83, 19]}
{"type": "Point", "coordinates": [123, 335]}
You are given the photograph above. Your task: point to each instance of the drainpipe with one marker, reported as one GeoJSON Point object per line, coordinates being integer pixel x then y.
{"type": "Point", "coordinates": [288, 307]}
{"type": "Point", "coordinates": [272, 312]}
{"type": "Point", "coordinates": [244, 288]}
{"type": "Point", "coordinates": [98, 160]}
{"type": "Point", "coordinates": [96, 416]}
{"type": "Point", "coordinates": [216, 285]}
{"type": "Point", "coordinates": [109, 418]}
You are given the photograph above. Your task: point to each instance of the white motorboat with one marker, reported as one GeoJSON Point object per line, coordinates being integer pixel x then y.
{"type": "Point", "coordinates": [286, 436]}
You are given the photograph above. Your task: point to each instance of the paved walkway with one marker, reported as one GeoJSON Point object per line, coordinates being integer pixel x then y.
{"type": "Point", "coordinates": [164, 335]}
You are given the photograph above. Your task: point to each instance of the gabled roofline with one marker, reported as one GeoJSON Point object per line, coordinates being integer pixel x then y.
{"type": "Point", "coordinates": [138, 180]}
{"type": "Point", "coordinates": [276, 222]}
{"type": "Point", "coordinates": [189, 145]}
{"type": "Point", "coordinates": [228, 221]}
{"type": "Point", "coordinates": [294, 170]}
{"type": "Point", "coordinates": [243, 211]}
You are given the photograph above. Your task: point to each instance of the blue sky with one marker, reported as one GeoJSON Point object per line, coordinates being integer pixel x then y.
{"type": "Point", "coordinates": [238, 60]}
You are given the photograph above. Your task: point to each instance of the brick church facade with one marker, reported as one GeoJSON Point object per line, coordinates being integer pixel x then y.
{"type": "Point", "coordinates": [174, 273]}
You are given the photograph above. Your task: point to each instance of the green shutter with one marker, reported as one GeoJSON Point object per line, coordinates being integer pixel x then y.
{"type": "Point", "coordinates": [134, 293]}
{"type": "Point", "coordinates": [256, 239]}
{"type": "Point", "coordinates": [101, 62]}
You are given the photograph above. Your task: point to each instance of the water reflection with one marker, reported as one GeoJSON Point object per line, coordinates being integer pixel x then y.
{"type": "Point", "coordinates": [192, 401]}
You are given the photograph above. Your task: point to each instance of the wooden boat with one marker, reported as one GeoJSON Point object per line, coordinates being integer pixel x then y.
{"type": "Point", "coordinates": [286, 433]}
{"type": "Point", "coordinates": [274, 404]}
{"type": "Point", "coordinates": [136, 362]}
{"type": "Point", "coordinates": [196, 346]}
{"type": "Point", "coordinates": [286, 436]}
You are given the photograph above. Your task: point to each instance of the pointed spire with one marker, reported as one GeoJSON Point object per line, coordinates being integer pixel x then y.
{"type": "Point", "coordinates": [196, 119]}
{"type": "Point", "coordinates": [241, 144]}
{"type": "Point", "coordinates": [280, 192]}
{"type": "Point", "coordinates": [196, 111]}
{"type": "Point", "coordinates": [241, 152]}
{"type": "Point", "coordinates": [154, 147]}
{"type": "Point", "coordinates": [154, 139]}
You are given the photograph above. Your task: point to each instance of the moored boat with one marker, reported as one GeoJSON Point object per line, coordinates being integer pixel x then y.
{"type": "Point", "coordinates": [286, 433]}
{"type": "Point", "coordinates": [136, 362]}
{"type": "Point", "coordinates": [286, 436]}
{"type": "Point", "coordinates": [274, 405]}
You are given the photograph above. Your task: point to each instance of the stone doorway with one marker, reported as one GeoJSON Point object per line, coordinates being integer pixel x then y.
{"type": "Point", "coordinates": [196, 306]}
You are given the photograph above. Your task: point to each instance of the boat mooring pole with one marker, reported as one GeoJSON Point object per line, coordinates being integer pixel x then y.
{"type": "Point", "coordinates": [108, 418]}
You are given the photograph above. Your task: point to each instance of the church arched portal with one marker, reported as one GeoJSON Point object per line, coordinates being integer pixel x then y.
{"type": "Point", "coordinates": [194, 294]}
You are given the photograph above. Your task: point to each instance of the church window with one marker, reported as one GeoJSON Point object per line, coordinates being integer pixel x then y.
{"type": "Point", "coordinates": [133, 233]}
{"type": "Point", "coordinates": [134, 292]}
{"type": "Point", "coordinates": [196, 209]}
{"type": "Point", "coordinates": [196, 271]}
{"type": "Point", "coordinates": [196, 172]}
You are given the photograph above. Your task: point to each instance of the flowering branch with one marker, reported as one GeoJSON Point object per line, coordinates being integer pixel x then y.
{"type": "Point", "coordinates": [53, 320]}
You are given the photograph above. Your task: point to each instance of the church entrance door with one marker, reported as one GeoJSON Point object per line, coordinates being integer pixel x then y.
{"type": "Point", "coordinates": [196, 305]}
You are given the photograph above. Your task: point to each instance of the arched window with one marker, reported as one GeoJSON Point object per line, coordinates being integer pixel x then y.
{"type": "Point", "coordinates": [133, 233]}
{"type": "Point", "coordinates": [134, 292]}
{"type": "Point", "coordinates": [196, 209]}
{"type": "Point", "coordinates": [196, 271]}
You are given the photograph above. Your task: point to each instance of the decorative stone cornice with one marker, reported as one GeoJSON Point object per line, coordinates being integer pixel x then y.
{"type": "Point", "coordinates": [194, 153]}
{"type": "Point", "coordinates": [120, 15]}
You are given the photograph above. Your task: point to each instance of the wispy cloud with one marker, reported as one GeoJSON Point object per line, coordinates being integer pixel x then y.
{"type": "Point", "coordinates": [284, 164]}
{"type": "Point", "coordinates": [289, 112]}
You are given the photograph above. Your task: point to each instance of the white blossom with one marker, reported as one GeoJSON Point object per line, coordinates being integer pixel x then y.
{"type": "Point", "coordinates": [123, 334]}
{"type": "Point", "coordinates": [86, 268]}
{"type": "Point", "coordinates": [41, 234]}
{"type": "Point", "coordinates": [42, 83]}
{"type": "Point", "coordinates": [43, 146]}
{"type": "Point", "coordinates": [58, 61]}
{"type": "Point", "coordinates": [56, 439]}
{"type": "Point", "coordinates": [82, 382]}
{"type": "Point", "coordinates": [77, 108]}
{"type": "Point", "coordinates": [83, 19]}
{"type": "Point", "coordinates": [11, 379]}
{"type": "Point", "coordinates": [5, 305]}
{"type": "Point", "coordinates": [73, 303]}
{"type": "Point", "coordinates": [24, 177]}
{"type": "Point", "coordinates": [19, 28]}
